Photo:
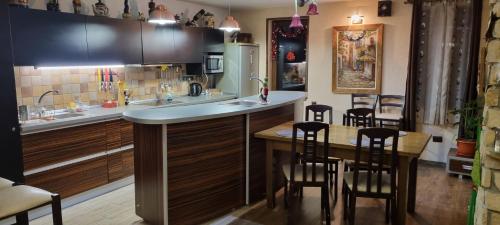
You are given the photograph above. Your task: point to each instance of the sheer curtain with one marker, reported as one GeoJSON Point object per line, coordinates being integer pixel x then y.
{"type": "Point", "coordinates": [442, 65]}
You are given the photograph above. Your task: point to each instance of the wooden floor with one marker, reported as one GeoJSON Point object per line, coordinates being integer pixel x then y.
{"type": "Point", "coordinates": [441, 200]}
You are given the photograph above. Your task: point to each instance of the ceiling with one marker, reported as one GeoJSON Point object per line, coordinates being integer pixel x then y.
{"type": "Point", "coordinates": [251, 4]}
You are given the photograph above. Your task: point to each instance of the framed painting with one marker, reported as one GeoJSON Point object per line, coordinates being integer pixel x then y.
{"type": "Point", "coordinates": [357, 59]}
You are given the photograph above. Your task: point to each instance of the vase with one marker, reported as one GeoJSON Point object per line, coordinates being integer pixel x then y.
{"type": "Point", "coordinates": [53, 5]}
{"type": "Point", "coordinates": [100, 9]}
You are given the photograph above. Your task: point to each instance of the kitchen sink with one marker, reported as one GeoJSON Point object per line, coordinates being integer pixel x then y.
{"type": "Point", "coordinates": [158, 103]}
{"type": "Point", "coordinates": [68, 115]}
{"type": "Point", "coordinates": [247, 103]}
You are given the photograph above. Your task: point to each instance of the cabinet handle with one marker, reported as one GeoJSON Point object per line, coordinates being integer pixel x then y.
{"type": "Point", "coordinates": [466, 167]}
{"type": "Point", "coordinates": [14, 129]}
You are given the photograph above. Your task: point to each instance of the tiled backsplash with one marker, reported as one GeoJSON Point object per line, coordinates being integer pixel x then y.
{"type": "Point", "coordinates": [82, 83]}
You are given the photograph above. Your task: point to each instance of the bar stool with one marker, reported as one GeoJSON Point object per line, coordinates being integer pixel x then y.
{"type": "Point", "coordinates": [19, 199]}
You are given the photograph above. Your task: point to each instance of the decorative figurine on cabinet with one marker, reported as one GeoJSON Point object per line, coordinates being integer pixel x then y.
{"type": "Point", "coordinates": [20, 3]}
{"type": "Point", "coordinates": [77, 6]}
{"type": "Point", "coordinates": [100, 9]}
{"type": "Point", "coordinates": [151, 6]}
{"type": "Point", "coordinates": [209, 20]}
{"type": "Point", "coordinates": [141, 17]}
{"type": "Point", "coordinates": [53, 5]}
{"type": "Point", "coordinates": [126, 10]}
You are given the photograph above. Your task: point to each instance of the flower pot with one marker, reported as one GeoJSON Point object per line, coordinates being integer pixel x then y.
{"type": "Point", "coordinates": [466, 147]}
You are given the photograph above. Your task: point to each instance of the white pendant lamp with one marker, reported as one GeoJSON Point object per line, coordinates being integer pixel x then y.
{"type": "Point", "coordinates": [230, 24]}
{"type": "Point", "coordinates": [161, 16]}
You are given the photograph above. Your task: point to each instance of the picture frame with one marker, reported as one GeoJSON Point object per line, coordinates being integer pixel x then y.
{"type": "Point", "coordinates": [357, 59]}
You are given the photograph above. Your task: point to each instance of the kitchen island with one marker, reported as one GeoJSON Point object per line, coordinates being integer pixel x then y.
{"type": "Point", "coordinates": [195, 163]}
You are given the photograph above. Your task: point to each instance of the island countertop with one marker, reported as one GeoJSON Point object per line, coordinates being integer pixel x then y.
{"type": "Point", "coordinates": [210, 110]}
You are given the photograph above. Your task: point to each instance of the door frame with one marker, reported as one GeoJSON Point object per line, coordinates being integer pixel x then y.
{"type": "Point", "coordinates": [271, 67]}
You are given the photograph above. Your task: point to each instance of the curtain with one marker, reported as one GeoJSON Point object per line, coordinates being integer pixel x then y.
{"type": "Point", "coordinates": [440, 61]}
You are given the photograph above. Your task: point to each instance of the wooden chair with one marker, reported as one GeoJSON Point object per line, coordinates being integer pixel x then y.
{"type": "Point", "coordinates": [17, 200]}
{"type": "Point", "coordinates": [361, 101]}
{"type": "Point", "coordinates": [372, 183]}
{"type": "Point", "coordinates": [388, 103]}
{"type": "Point", "coordinates": [360, 117]}
{"type": "Point", "coordinates": [306, 171]}
{"type": "Point", "coordinates": [318, 112]}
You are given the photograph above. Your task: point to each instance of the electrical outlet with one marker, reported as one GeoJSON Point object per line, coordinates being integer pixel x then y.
{"type": "Point", "coordinates": [437, 139]}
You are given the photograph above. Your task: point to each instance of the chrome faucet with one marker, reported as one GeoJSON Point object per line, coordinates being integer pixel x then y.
{"type": "Point", "coordinates": [47, 92]}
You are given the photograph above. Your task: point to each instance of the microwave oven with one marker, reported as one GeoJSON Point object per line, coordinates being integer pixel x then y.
{"type": "Point", "coordinates": [213, 64]}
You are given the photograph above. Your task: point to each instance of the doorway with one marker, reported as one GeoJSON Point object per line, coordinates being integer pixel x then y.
{"type": "Point", "coordinates": [287, 55]}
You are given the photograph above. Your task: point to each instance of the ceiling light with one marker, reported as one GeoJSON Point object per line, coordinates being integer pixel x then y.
{"type": "Point", "coordinates": [161, 16]}
{"type": "Point", "coordinates": [230, 24]}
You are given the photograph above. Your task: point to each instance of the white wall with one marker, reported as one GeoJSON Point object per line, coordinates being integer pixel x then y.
{"type": "Point", "coordinates": [116, 7]}
{"type": "Point", "coordinates": [395, 55]}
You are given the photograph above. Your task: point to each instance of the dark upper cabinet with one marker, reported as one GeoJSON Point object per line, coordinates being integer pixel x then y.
{"type": "Point", "coordinates": [42, 38]}
{"type": "Point", "coordinates": [113, 41]}
{"type": "Point", "coordinates": [157, 43]}
{"type": "Point", "coordinates": [213, 40]}
{"type": "Point", "coordinates": [188, 44]}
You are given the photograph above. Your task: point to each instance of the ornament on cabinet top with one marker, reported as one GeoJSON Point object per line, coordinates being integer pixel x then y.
{"type": "Point", "coordinates": [126, 10]}
{"type": "Point", "coordinates": [53, 5]}
{"type": "Point", "coordinates": [100, 9]}
{"type": "Point", "coordinates": [141, 17]}
{"type": "Point", "coordinates": [20, 3]}
{"type": "Point", "coordinates": [77, 6]}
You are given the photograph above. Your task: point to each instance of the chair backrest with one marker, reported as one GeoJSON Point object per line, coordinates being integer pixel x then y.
{"type": "Point", "coordinates": [363, 101]}
{"type": "Point", "coordinates": [318, 113]}
{"type": "Point", "coordinates": [391, 102]}
{"type": "Point", "coordinates": [309, 159]}
{"type": "Point", "coordinates": [376, 158]}
{"type": "Point", "coordinates": [360, 117]}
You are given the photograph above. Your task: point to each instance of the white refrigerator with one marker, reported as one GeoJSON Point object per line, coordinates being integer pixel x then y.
{"type": "Point", "coordinates": [241, 61]}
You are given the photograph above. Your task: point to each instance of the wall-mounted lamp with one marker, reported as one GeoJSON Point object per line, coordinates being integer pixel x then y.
{"type": "Point", "coordinates": [356, 18]}
{"type": "Point", "coordinates": [497, 140]}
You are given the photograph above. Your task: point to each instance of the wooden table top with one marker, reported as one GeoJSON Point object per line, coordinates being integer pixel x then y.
{"type": "Point", "coordinates": [412, 144]}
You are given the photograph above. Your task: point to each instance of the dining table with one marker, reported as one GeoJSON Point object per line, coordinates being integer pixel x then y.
{"type": "Point", "coordinates": [341, 145]}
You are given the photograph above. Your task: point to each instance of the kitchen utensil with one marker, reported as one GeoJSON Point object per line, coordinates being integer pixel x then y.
{"type": "Point", "coordinates": [195, 89]}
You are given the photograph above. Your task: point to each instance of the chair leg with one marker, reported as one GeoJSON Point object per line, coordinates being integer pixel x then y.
{"type": "Point", "coordinates": [285, 197]}
{"type": "Point", "coordinates": [394, 211]}
{"type": "Point", "coordinates": [345, 197]}
{"type": "Point", "coordinates": [352, 208]}
{"type": "Point", "coordinates": [56, 210]}
{"type": "Point", "coordinates": [326, 203]}
{"type": "Point", "coordinates": [336, 187]}
{"type": "Point", "coordinates": [330, 172]}
{"type": "Point", "coordinates": [22, 218]}
{"type": "Point", "coordinates": [387, 210]}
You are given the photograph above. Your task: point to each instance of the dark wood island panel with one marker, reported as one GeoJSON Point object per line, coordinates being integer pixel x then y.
{"type": "Point", "coordinates": [260, 121]}
{"type": "Point", "coordinates": [206, 169]}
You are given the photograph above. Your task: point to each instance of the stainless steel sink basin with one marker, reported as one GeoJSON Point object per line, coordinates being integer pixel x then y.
{"type": "Point", "coordinates": [158, 103]}
{"type": "Point", "coordinates": [247, 103]}
{"type": "Point", "coordinates": [68, 115]}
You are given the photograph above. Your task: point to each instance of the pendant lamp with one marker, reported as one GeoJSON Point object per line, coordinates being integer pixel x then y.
{"type": "Point", "coordinates": [313, 8]}
{"type": "Point", "coordinates": [230, 24]}
{"type": "Point", "coordinates": [296, 22]}
{"type": "Point", "coordinates": [161, 16]}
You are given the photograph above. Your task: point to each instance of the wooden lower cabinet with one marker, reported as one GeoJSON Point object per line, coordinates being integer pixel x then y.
{"type": "Point", "coordinates": [59, 146]}
{"type": "Point", "coordinates": [72, 179]}
{"type": "Point", "coordinates": [120, 165]}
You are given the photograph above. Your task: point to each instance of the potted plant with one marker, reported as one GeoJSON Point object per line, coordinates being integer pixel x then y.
{"type": "Point", "coordinates": [470, 120]}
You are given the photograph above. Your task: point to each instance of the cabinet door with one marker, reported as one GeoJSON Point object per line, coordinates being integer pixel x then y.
{"type": "Point", "coordinates": [188, 45]}
{"type": "Point", "coordinates": [113, 41]}
{"type": "Point", "coordinates": [213, 40]}
{"type": "Point", "coordinates": [42, 38]}
{"type": "Point", "coordinates": [157, 43]}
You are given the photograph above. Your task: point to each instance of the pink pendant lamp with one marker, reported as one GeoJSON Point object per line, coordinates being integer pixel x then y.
{"type": "Point", "coordinates": [313, 8]}
{"type": "Point", "coordinates": [296, 23]}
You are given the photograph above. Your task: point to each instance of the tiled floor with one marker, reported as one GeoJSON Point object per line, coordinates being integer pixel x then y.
{"type": "Point", "coordinates": [441, 200]}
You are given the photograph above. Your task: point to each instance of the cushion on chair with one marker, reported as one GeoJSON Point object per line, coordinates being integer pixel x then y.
{"type": "Point", "coordinates": [21, 198]}
{"type": "Point", "coordinates": [298, 172]}
{"type": "Point", "coordinates": [362, 179]}
{"type": "Point", "coordinates": [5, 183]}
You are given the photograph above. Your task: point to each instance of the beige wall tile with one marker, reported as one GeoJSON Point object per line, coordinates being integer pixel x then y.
{"type": "Point", "coordinates": [75, 79]}
{"type": "Point", "coordinates": [26, 92]}
{"type": "Point", "coordinates": [28, 101]}
{"type": "Point", "coordinates": [36, 80]}
{"type": "Point", "coordinates": [26, 81]}
{"type": "Point", "coordinates": [37, 90]}
{"type": "Point", "coordinates": [58, 99]}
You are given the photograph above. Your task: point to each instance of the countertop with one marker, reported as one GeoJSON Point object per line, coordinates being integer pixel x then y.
{"type": "Point", "coordinates": [210, 110]}
{"type": "Point", "coordinates": [99, 114]}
